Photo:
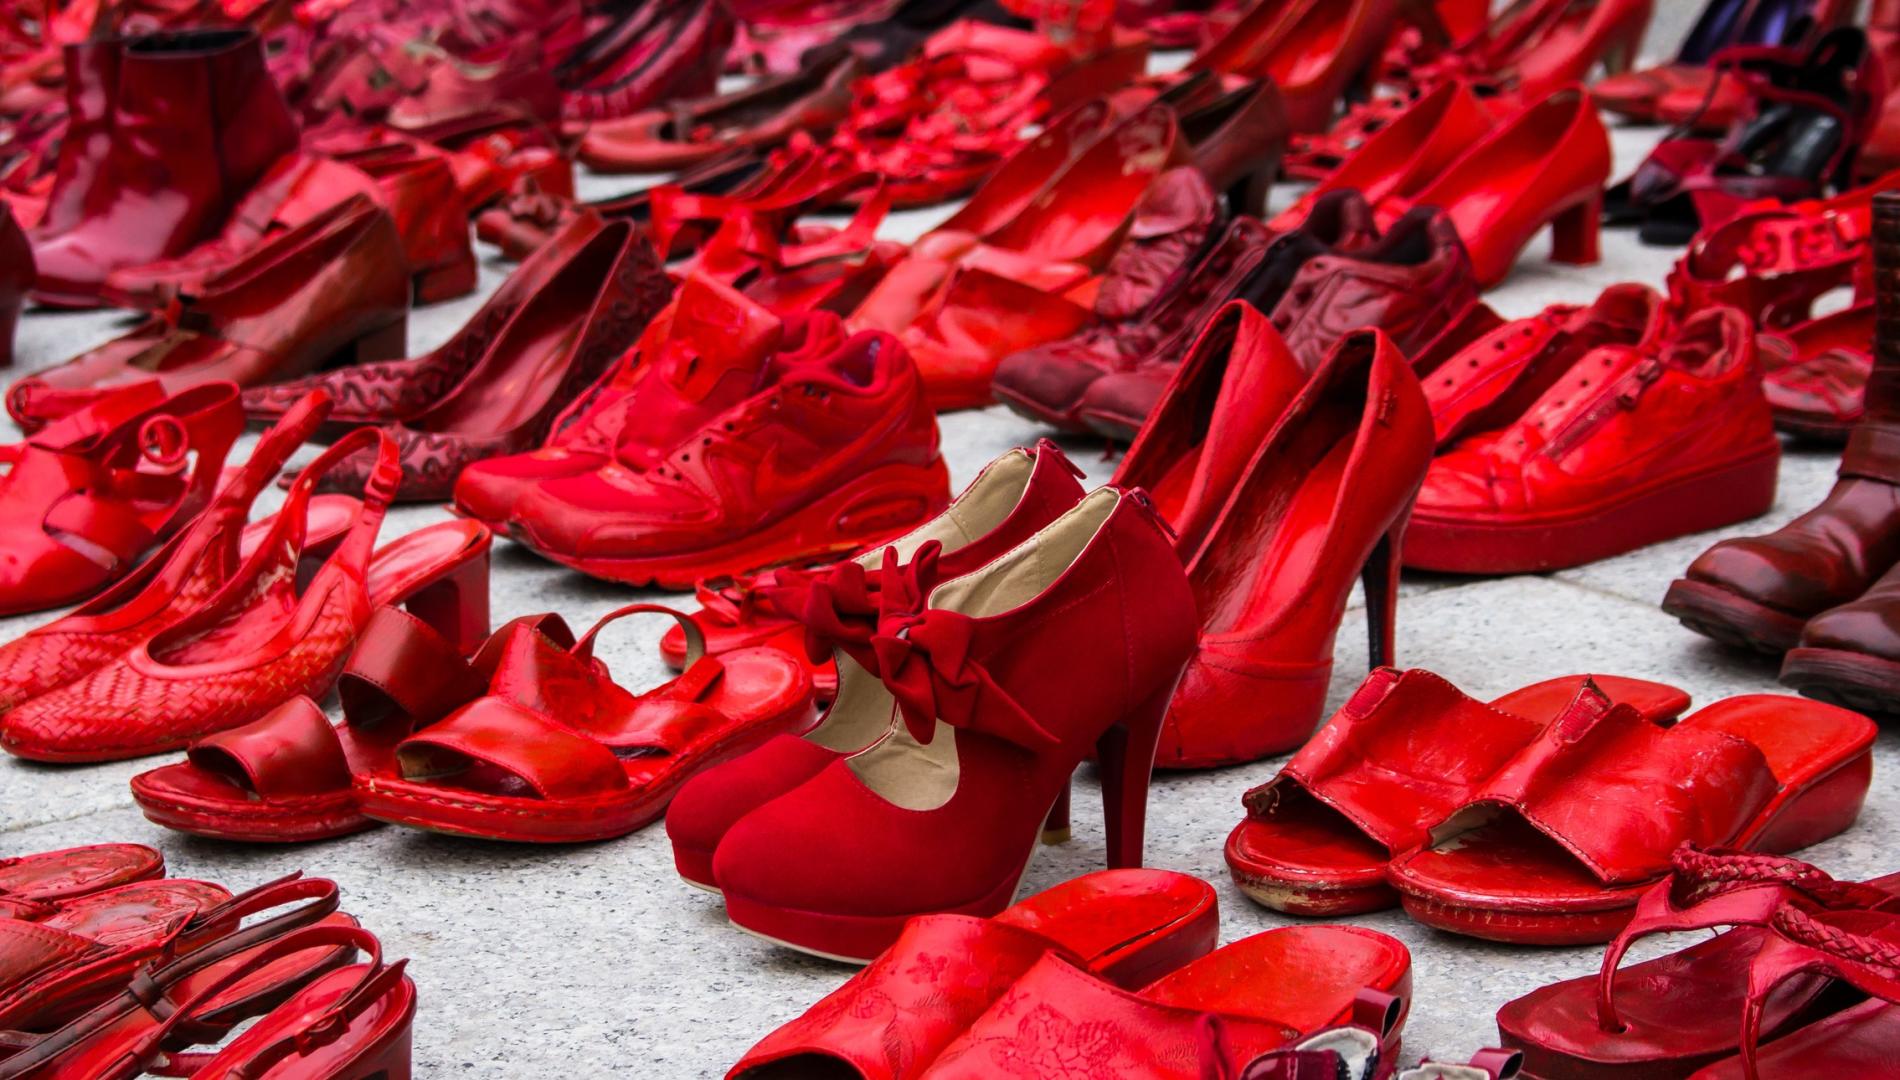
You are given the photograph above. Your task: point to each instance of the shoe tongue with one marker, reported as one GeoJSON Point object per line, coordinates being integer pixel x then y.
{"type": "Point", "coordinates": [714, 355]}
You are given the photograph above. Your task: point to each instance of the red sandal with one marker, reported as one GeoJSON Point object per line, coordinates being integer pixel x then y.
{"type": "Point", "coordinates": [31, 885]}
{"type": "Point", "coordinates": [1128, 927]}
{"type": "Point", "coordinates": [1586, 816]}
{"type": "Point", "coordinates": [1400, 756]}
{"type": "Point", "coordinates": [559, 753]}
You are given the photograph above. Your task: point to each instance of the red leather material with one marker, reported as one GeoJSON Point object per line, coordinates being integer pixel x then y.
{"type": "Point", "coordinates": [1638, 95]}
{"type": "Point", "coordinates": [31, 886]}
{"type": "Point", "coordinates": [292, 751]}
{"type": "Point", "coordinates": [1817, 373]}
{"type": "Point", "coordinates": [17, 273]}
{"type": "Point", "coordinates": [1312, 50]}
{"type": "Point", "coordinates": [664, 50]}
{"type": "Point", "coordinates": [1535, 48]}
{"type": "Point", "coordinates": [552, 761]}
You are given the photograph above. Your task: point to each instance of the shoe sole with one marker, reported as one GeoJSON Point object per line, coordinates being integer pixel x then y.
{"type": "Point", "coordinates": [1831, 432]}
{"type": "Point", "coordinates": [1711, 499]}
{"type": "Point", "coordinates": [1866, 684]}
{"type": "Point", "coordinates": [323, 818]}
{"type": "Point", "coordinates": [1723, 616]}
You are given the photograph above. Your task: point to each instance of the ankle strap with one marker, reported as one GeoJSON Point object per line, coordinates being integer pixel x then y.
{"type": "Point", "coordinates": [379, 490]}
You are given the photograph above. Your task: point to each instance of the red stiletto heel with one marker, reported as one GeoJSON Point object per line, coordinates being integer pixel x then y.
{"type": "Point", "coordinates": [1576, 234]}
{"type": "Point", "coordinates": [1380, 579]}
{"type": "Point", "coordinates": [1055, 829]}
{"type": "Point", "coordinates": [1127, 755]}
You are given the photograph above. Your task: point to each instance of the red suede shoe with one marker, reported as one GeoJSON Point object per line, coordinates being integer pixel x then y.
{"type": "Point", "coordinates": [1632, 447]}
{"type": "Point", "coordinates": [1323, 501]}
{"type": "Point", "coordinates": [1210, 1018]}
{"type": "Point", "coordinates": [34, 886]}
{"type": "Point", "coordinates": [1129, 927]}
{"type": "Point", "coordinates": [835, 452]}
{"type": "Point", "coordinates": [89, 497]}
{"type": "Point", "coordinates": [557, 752]}
{"type": "Point", "coordinates": [1588, 813]}
{"type": "Point", "coordinates": [1676, 1014]}
{"type": "Point", "coordinates": [941, 814]}
{"type": "Point", "coordinates": [1318, 837]}
{"type": "Point", "coordinates": [1013, 497]}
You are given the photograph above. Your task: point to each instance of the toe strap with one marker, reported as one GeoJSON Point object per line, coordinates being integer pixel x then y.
{"type": "Point", "coordinates": [551, 761]}
{"type": "Point", "coordinates": [290, 752]}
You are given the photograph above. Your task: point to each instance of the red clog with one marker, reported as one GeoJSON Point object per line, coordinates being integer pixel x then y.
{"type": "Point", "coordinates": [557, 752]}
{"type": "Point", "coordinates": [1318, 837]}
{"type": "Point", "coordinates": [1322, 501]}
{"type": "Point", "coordinates": [32, 886]}
{"type": "Point", "coordinates": [828, 454]}
{"type": "Point", "coordinates": [1558, 846]}
{"type": "Point", "coordinates": [1129, 927]}
{"type": "Point", "coordinates": [1634, 445]}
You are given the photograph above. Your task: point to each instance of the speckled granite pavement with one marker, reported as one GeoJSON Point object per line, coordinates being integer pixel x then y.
{"type": "Point", "coordinates": [596, 961]}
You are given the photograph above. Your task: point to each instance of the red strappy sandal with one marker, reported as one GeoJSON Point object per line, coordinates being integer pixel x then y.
{"type": "Point", "coordinates": [1400, 756]}
{"type": "Point", "coordinates": [1560, 844]}
{"type": "Point", "coordinates": [260, 640]}
{"type": "Point", "coordinates": [31, 885]}
{"type": "Point", "coordinates": [1677, 1013]}
{"type": "Point", "coordinates": [559, 753]}
{"type": "Point", "coordinates": [181, 576]}
{"type": "Point", "coordinates": [1256, 995]}
{"type": "Point", "coordinates": [88, 497]}
{"type": "Point", "coordinates": [1129, 927]}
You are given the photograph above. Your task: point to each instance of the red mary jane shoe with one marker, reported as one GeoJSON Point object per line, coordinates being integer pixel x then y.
{"type": "Point", "coordinates": [941, 814]}
{"type": "Point", "coordinates": [1677, 1014]}
{"type": "Point", "coordinates": [88, 497]}
{"type": "Point", "coordinates": [32, 886]}
{"type": "Point", "coordinates": [1322, 502]}
{"type": "Point", "coordinates": [1318, 837]}
{"type": "Point", "coordinates": [1588, 813]}
{"type": "Point", "coordinates": [1603, 463]}
{"type": "Point", "coordinates": [557, 752]}
{"type": "Point", "coordinates": [1129, 927]}
{"type": "Point", "coordinates": [835, 452]}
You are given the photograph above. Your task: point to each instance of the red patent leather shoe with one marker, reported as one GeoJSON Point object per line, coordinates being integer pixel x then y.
{"type": "Point", "coordinates": [963, 787]}
{"type": "Point", "coordinates": [1317, 838]}
{"type": "Point", "coordinates": [1013, 497]}
{"type": "Point", "coordinates": [1677, 1014]}
{"type": "Point", "coordinates": [1817, 374]}
{"type": "Point", "coordinates": [1314, 51]}
{"type": "Point", "coordinates": [1588, 813]}
{"type": "Point", "coordinates": [1536, 47]}
{"type": "Point", "coordinates": [557, 752]}
{"type": "Point", "coordinates": [264, 637]}
{"type": "Point", "coordinates": [195, 121]}
{"type": "Point", "coordinates": [560, 340]}
{"type": "Point", "coordinates": [664, 50]}
{"type": "Point", "coordinates": [393, 391]}
{"type": "Point", "coordinates": [1561, 485]}
{"type": "Point", "coordinates": [175, 580]}
{"type": "Point", "coordinates": [837, 452]}
{"type": "Point", "coordinates": [1210, 1018]}
{"type": "Point", "coordinates": [16, 277]}
{"type": "Point", "coordinates": [1129, 927]}
{"type": "Point", "coordinates": [335, 288]}
{"type": "Point", "coordinates": [89, 497]}
{"type": "Point", "coordinates": [1544, 166]}
{"type": "Point", "coordinates": [688, 133]}
{"type": "Point", "coordinates": [1322, 501]}
{"type": "Point", "coordinates": [33, 886]}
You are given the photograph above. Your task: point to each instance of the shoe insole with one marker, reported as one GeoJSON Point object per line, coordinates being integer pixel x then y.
{"type": "Point", "coordinates": [1304, 977]}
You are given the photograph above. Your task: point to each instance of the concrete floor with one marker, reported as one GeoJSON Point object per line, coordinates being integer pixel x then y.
{"type": "Point", "coordinates": [596, 961]}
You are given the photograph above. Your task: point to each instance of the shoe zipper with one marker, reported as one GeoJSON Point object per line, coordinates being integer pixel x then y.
{"type": "Point", "coordinates": [1622, 396]}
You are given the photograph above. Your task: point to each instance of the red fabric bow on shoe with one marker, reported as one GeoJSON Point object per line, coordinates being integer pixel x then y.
{"type": "Point", "coordinates": [926, 666]}
{"type": "Point", "coordinates": [843, 605]}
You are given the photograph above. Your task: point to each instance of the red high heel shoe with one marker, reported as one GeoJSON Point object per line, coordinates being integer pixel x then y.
{"type": "Point", "coordinates": [16, 277]}
{"type": "Point", "coordinates": [815, 615]}
{"type": "Point", "coordinates": [557, 752]}
{"type": "Point", "coordinates": [260, 639]}
{"type": "Point", "coordinates": [560, 341]}
{"type": "Point", "coordinates": [941, 814]}
{"type": "Point", "coordinates": [1129, 927]}
{"type": "Point", "coordinates": [1324, 499]}
{"type": "Point", "coordinates": [178, 578]}
{"type": "Point", "coordinates": [89, 497]}
{"type": "Point", "coordinates": [1537, 47]}
{"type": "Point", "coordinates": [1315, 51]}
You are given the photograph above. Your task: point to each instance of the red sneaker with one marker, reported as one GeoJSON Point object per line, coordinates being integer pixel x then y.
{"type": "Point", "coordinates": [827, 455]}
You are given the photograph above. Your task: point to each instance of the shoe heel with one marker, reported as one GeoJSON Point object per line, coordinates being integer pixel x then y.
{"type": "Point", "coordinates": [439, 283]}
{"type": "Point", "coordinates": [1577, 232]}
{"type": "Point", "coordinates": [1381, 580]}
{"type": "Point", "coordinates": [9, 322]}
{"type": "Point", "coordinates": [456, 604]}
{"type": "Point", "coordinates": [393, 1063]}
{"type": "Point", "coordinates": [1055, 829]}
{"type": "Point", "coordinates": [391, 342]}
{"type": "Point", "coordinates": [1126, 753]}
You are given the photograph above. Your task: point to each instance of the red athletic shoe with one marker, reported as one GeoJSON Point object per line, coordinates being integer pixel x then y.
{"type": "Point", "coordinates": [829, 454]}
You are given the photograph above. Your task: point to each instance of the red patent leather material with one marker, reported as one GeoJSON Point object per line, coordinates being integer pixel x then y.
{"type": "Point", "coordinates": [1540, 46]}
{"type": "Point", "coordinates": [1313, 50]}
{"type": "Point", "coordinates": [1238, 1002]}
{"type": "Point", "coordinates": [1272, 574]}
{"type": "Point", "coordinates": [1632, 446]}
{"type": "Point", "coordinates": [34, 886]}
{"type": "Point", "coordinates": [194, 122]}
{"type": "Point", "coordinates": [336, 286]}
{"type": "Point", "coordinates": [87, 498]}
{"type": "Point", "coordinates": [891, 1020]}
{"type": "Point", "coordinates": [663, 51]}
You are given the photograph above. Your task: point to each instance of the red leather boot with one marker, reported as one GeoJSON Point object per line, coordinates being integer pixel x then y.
{"type": "Point", "coordinates": [195, 120]}
{"type": "Point", "coordinates": [942, 814]}
{"type": "Point", "coordinates": [1324, 500]}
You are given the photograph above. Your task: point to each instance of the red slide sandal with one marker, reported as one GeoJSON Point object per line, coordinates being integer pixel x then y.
{"type": "Point", "coordinates": [31, 886]}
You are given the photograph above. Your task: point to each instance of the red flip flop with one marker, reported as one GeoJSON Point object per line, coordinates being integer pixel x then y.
{"type": "Point", "coordinates": [33, 886]}
{"type": "Point", "coordinates": [1667, 1017]}
{"type": "Point", "coordinates": [1559, 845]}
{"type": "Point", "coordinates": [1129, 927]}
{"type": "Point", "coordinates": [557, 752]}
{"type": "Point", "coordinates": [1405, 752]}
{"type": "Point", "coordinates": [1259, 994]}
